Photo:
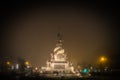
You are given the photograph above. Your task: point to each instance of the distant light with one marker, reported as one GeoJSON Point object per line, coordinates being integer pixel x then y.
{"type": "Point", "coordinates": [95, 70]}
{"type": "Point", "coordinates": [8, 62]}
{"type": "Point", "coordinates": [17, 66]}
{"type": "Point", "coordinates": [103, 59]}
{"type": "Point", "coordinates": [85, 70]}
{"type": "Point", "coordinates": [91, 67]}
{"type": "Point", "coordinates": [26, 63]}
{"type": "Point", "coordinates": [28, 66]}
{"type": "Point", "coordinates": [89, 74]}
{"type": "Point", "coordinates": [89, 70]}
{"type": "Point", "coordinates": [36, 68]}
{"type": "Point", "coordinates": [12, 67]}
{"type": "Point", "coordinates": [41, 71]}
{"type": "Point", "coordinates": [80, 70]}
{"type": "Point", "coordinates": [79, 67]}
{"type": "Point", "coordinates": [105, 69]}
{"type": "Point", "coordinates": [98, 70]}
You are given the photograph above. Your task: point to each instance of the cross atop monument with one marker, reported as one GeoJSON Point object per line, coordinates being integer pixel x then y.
{"type": "Point", "coordinates": [59, 37]}
{"type": "Point", "coordinates": [59, 42]}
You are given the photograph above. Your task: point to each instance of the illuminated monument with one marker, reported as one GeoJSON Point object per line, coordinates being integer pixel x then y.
{"type": "Point", "coordinates": [58, 62]}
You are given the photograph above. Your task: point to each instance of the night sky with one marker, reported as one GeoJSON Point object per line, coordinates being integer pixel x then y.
{"type": "Point", "coordinates": [90, 29]}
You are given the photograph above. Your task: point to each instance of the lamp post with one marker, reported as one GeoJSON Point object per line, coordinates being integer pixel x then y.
{"type": "Point", "coordinates": [102, 62]}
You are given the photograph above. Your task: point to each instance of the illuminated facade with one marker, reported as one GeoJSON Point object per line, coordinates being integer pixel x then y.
{"type": "Point", "coordinates": [58, 61]}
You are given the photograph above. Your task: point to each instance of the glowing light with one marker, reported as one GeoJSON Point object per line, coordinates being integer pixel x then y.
{"type": "Point", "coordinates": [85, 70]}
{"type": "Point", "coordinates": [17, 66]}
{"type": "Point", "coordinates": [59, 50]}
{"type": "Point", "coordinates": [12, 67]}
{"type": "Point", "coordinates": [56, 49]}
{"type": "Point", "coordinates": [8, 62]}
{"type": "Point", "coordinates": [79, 67]}
{"type": "Point", "coordinates": [26, 63]}
{"type": "Point", "coordinates": [36, 68]}
{"type": "Point", "coordinates": [103, 59]}
{"type": "Point", "coordinates": [28, 66]}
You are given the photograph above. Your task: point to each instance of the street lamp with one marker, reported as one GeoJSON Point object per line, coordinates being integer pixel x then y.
{"type": "Point", "coordinates": [102, 61]}
{"type": "Point", "coordinates": [8, 62]}
{"type": "Point", "coordinates": [26, 63]}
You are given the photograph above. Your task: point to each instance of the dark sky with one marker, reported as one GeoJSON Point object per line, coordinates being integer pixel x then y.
{"type": "Point", "coordinates": [90, 29]}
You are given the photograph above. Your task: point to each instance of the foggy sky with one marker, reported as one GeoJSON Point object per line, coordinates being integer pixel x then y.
{"type": "Point", "coordinates": [31, 33]}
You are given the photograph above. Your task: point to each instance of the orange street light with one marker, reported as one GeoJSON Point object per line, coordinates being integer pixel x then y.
{"type": "Point", "coordinates": [8, 63]}
{"type": "Point", "coordinates": [26, 63]}
{"type": "Point", "coordinates": [103, 59]}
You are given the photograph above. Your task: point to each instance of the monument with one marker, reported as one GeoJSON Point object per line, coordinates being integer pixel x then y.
{"type": "Point", "coordinates": [58, 62]}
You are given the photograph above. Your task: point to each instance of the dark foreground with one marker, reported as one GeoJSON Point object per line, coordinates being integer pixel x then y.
{"type": "Point", "coordinates": [94, 76]}
{"type": "Point", "coordinates": [62, 78]}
